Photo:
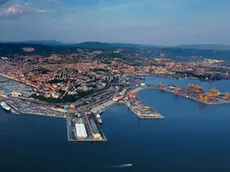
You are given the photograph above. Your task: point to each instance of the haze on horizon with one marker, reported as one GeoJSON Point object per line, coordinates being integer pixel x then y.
{"type": "Point", "coordinates": [157, 22]}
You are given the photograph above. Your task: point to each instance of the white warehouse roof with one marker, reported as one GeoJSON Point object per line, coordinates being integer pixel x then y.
{"type": "Point", "coordinates": [81, 131]}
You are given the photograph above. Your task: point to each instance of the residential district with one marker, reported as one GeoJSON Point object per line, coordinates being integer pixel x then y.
{"type": "Point", "coordinates": [80, 86]}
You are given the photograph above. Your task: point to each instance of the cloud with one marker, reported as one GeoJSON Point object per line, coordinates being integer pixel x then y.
{"type": "Point", "coordinates": [19, 10]}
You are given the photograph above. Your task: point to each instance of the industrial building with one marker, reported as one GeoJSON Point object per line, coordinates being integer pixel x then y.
{"type": "Point", "coordinates": [81, 131]}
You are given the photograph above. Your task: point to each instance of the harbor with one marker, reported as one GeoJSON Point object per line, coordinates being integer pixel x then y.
{"type": "Point", "coordinates": [83, 120]}
{"type": "Point", "coordinates": [84, 123]}
{"type": "Point", "coordinates": [196, 93]}
{"type": "Point", "coordinates": [122, 133]}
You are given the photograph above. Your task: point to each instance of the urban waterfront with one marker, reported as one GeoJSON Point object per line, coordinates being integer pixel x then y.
{"type": "Point", "coordinates": [193, 137]}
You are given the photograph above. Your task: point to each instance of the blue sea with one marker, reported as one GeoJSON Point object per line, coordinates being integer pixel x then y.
{"type": "Point", "coordinates": [192, 138]}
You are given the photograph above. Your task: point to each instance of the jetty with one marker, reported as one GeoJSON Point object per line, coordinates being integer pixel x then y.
{"type": "Point", "coordinates": [141, 110]}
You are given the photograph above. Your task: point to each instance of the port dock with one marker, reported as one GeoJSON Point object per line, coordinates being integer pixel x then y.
{"type": "Point", "coordinates": [84, 124]}
{"type": "Point", "coordinates": [195, 93]}
{"type": "Point", "coordinates": [103, 106]}
{"type": "Point", "coordinates": [141, 110]}
{"type": "Point", "coordinates": [85, 128]}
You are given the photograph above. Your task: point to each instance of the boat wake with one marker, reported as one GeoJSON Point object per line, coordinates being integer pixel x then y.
{"type": "Point", "coordinates": [122, 166]}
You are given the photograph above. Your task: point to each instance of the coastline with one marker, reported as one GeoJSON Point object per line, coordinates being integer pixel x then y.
{"type": "Point", "coordinates": [137, 89]}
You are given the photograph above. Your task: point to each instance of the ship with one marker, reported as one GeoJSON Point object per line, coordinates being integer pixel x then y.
{"type": "Point", "coordinates": [98, 117]}
{"type": "Point", "coordinates": [142, 78]}
{"type": "Point", "coordinates": [5, 106]}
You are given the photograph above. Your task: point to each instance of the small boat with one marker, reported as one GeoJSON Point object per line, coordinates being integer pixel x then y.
{"type": "Point", "coordinates": [142, 78]}
{"type": "Point", "coordinates": [122, 166]}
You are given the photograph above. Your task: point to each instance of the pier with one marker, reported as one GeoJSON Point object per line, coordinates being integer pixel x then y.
{"type": "Point", "coordinates": [195, 93]}
{"type": "Point", "coordinates": [87, 122]}
{"type": "Point", "coordinates": [141, 110]}
{"type": "Point", "coordinates": [84, 128]}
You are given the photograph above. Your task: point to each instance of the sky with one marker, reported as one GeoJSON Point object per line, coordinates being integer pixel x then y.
{"type": "Point", "coordinates": [155, 22]}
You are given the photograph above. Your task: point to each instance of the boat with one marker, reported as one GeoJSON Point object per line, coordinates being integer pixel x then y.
{"type": "Point", "coordinates": [122, 166]}
{"type": "Point", "coordinates": [142, 78]}
{"type": "Point", "coordinates": [5, 106]}
{"type": "Point", "coordinates": [98, 117]}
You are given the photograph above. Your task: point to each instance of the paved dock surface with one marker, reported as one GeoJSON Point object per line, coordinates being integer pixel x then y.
{"type": "Point", "coordinates": [189, 94]}
{"type": "Point", "coordinates": [93, 129]}
{"type": "Point", "coordinates": [102, 107]}
{"type": "Point", "coordinates": [141, 110]}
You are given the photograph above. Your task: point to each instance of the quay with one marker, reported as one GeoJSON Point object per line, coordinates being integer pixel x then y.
{"type": "Point", "coordinates": [13, 108]}
{"type": "Point", "coordinates": [141, 110]}
{"type": "Point", "coordinates": [195, 93]}
{"type": "Point", "coordinates": [104, 106]}
{"type": "Point", "coordinates": [85, 128]}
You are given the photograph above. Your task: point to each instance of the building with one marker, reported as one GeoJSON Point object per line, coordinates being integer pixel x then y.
{"type": "Point", "coordinates": [80, 131]}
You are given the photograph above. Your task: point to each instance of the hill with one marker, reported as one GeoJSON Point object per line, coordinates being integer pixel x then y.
{"type": "Point", "coordinates": [181, 52]}
{"type": "Point", "coordinates": [206, 46]}
{"type": "Point", "coordinates": [103, 45]}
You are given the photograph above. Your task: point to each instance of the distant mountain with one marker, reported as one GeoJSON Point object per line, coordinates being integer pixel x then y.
{"type": "Point", "coordinates": [12, 49]}
{"type": "Point", "coordinates": [92, 45]}
{"type": "Point", "coordinates": [102, 45]}
{"type": "Point", "coordinates": [206, 46]}
{"type": "Point", "coordinates": [99, 45]}
{"type": "Point", "coordinates": [47, 48]}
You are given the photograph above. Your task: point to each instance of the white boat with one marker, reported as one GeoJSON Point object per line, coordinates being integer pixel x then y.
{"type": "Point", "coordinates": [122, 166]}
{"type": "Point", "coordinates": [98, 116]}
{"type": "Point", "coordinates": [5, 106]}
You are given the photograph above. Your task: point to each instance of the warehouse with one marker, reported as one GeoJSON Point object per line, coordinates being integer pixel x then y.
{"type": "Point", "coordinates": [81, 131]}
